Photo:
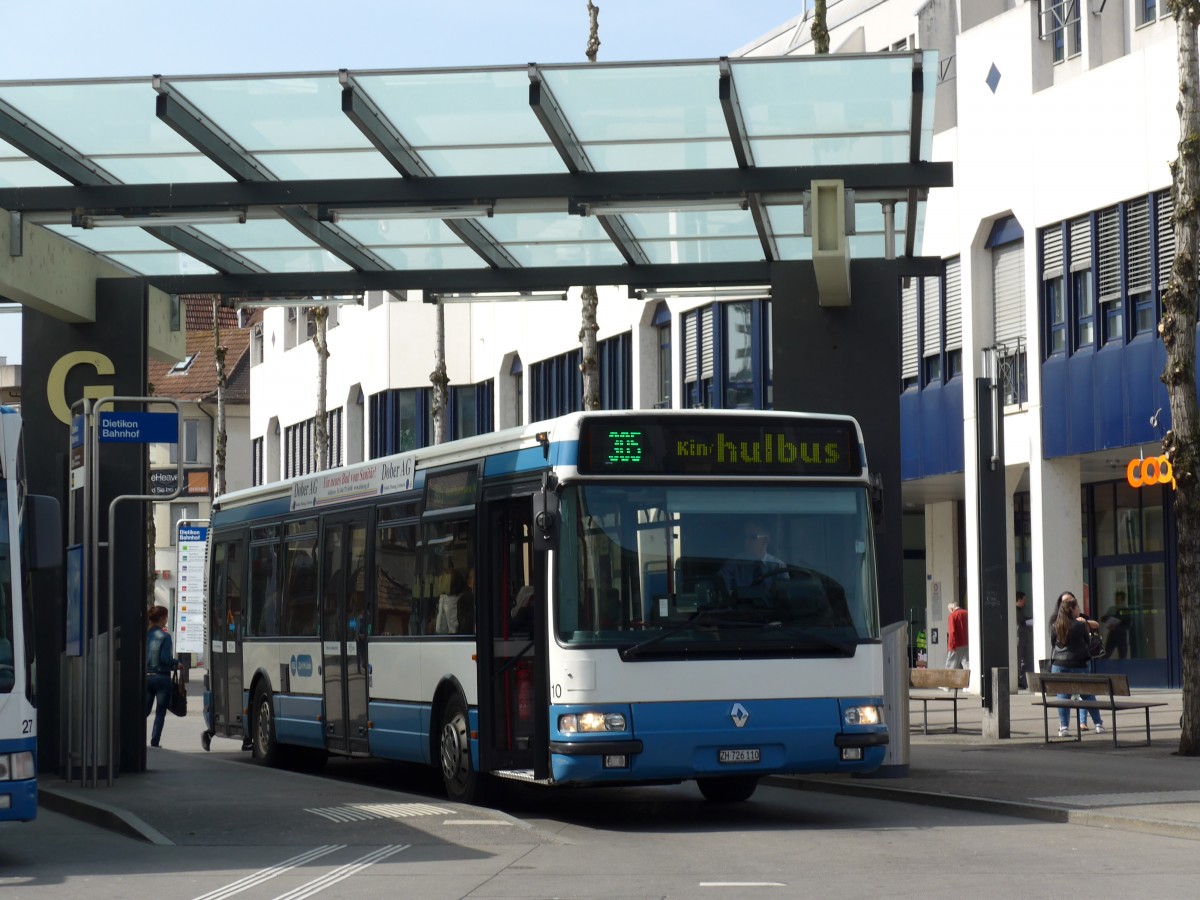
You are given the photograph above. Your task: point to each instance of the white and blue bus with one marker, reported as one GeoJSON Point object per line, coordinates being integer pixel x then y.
{"type": "Point", "coordinates": [30, 537]}
{"type": "Point", "coordinates": [606, 598]}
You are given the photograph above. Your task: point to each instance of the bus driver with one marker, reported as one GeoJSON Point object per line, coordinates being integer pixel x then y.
{"type": "Point", "coordinates": [755, 568]}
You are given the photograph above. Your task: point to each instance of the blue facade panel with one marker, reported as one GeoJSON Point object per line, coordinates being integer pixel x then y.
{"type": "Point", "coordinates": [931, 430]}
{"type": "Point", "coordinates": [1097, 401]}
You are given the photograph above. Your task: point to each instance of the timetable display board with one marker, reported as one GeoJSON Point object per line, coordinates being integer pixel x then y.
{"type": "Point", "coordinates": [191, 597]}
{"type": "Point", "coordinates": [718, 445]}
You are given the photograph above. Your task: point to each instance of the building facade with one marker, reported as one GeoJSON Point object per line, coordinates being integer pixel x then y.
{"type": "Point", "coordinates": [1060, 120]}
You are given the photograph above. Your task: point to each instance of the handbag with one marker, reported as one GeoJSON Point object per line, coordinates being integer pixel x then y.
{"type": "Point", "coordinates": [178, 696]}
{"type": "Point", "coordinates": [1096, 646]}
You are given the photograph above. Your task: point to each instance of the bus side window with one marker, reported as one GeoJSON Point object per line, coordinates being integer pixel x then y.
{"type": "Point", "coordinates": [396, 581]}
{"type": "Point", "coordinates": [300, 591]}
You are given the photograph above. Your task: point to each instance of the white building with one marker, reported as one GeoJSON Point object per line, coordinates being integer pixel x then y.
{"type": "Point", "coordinates": [1060, 120]}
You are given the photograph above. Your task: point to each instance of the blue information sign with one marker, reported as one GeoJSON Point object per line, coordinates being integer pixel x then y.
{"type": "Point", "coordinates": [139, 427]}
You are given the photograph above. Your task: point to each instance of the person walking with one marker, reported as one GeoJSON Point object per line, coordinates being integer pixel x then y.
{"type": "Point", "coordinates": [1070, 654]}
{"type": "Point", "coordinates": [1024, 640]}
{"type": "Point", "coordinates": [956, 637]}
{"type": "Point", "coordinates": [160, 663]}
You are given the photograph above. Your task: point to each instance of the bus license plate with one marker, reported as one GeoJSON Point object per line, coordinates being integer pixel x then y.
{"type": "Point", "coordinates": [744, 755]}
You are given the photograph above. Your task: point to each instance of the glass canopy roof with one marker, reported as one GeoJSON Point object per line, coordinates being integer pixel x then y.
{"type": "Point", "coordinates": [336, 181]}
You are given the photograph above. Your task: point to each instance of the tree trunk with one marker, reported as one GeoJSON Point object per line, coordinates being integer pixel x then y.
{"type": "Point", "coordinates": [589, 364]}
{"type": "Point", "coordinates": [820, 31]}
{"type": "Point", "coordinates": [438, 377]}
{"type": "Point", "coordinates": [320, 316]}
{"type": "Point", "coordinates": [1178, 330]}
{"type": "Point", "coordinates": [219, 439]}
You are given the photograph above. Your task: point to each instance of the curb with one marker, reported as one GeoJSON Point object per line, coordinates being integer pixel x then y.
{"type": "Point", "coordinates": [1033, 811]}
{"type": "Point", "coordinates": [101, 815]}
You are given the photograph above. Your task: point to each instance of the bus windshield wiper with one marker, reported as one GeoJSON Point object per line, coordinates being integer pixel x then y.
{"type": "Point", "coordinates": [700, 617]}
{"type": "Point", "coordinates": [791, 631]}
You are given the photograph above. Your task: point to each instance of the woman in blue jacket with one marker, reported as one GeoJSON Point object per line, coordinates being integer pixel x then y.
{"type": "Point", "coordinates": [160, 663]}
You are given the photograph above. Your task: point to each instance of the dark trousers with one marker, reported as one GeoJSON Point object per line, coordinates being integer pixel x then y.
{"type": "Point", "coordinates": [158, 686]}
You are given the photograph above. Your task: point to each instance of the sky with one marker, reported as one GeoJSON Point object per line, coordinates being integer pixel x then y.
{"type": "Point", "coordinates": [69, 39]}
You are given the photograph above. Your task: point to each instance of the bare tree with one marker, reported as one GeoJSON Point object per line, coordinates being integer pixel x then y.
{"type": "Point", "coordinates": [320, 318]}
{"type": "Point", "coordinates": [589, 366]}
{"type": "Point", "coordinates": [220, 439]}
{"type": "Point", "coordinates": [1178, 330]}
{"type": "Point", "coordinates": [438, 376]}
{"type": "Point", "coordinates": [820, 30]}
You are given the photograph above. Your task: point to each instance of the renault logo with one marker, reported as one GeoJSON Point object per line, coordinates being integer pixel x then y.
{"type": "Point", "coordinates": [739, 715]}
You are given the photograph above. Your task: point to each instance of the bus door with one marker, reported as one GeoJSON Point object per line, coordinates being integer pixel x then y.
{"type": "Point", "coordinates": [225, 636]}
{"type": "Point", "coordinates": [344, 631]}
{"type": "Point", "coordinates": [513, 668]}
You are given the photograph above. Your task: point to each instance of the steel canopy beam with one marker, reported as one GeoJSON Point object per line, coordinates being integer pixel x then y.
{"type": "Point", "coordinates": [331, 238]}
{"type": "Point", "coordinates": [661, 185]}
{"type": "Point", "coordinates": [477, 280]}
{"type": "Point", "coordinates": [37, 143]}
{"type": "Point", "coordinates": [363, 112]}
{"type": "Point", "coordinates": [744, 153]}
{"type": "Point", "coordinates": [203, 248]}
{"type": "Point", "coordinates": [575, 158]}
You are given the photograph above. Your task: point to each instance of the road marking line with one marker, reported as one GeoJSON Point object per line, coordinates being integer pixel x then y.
{"type": "Point", "coordinates": [244, 884]}
{"type": "Point", "coordinates": [342, 872]}
{"type": "Point", "coordinates": [726, 884]}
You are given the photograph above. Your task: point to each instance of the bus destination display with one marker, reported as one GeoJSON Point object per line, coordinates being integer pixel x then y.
{"type": "Point", "coordinates": [715, 445]}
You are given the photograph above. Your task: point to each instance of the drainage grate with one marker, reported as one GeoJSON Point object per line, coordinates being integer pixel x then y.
{"type": "Point", "coordinates": [362, 812]}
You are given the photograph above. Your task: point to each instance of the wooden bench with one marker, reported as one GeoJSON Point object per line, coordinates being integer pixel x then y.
{"type": "Point", "coordinates": [937, 685]}
{"type": "Point", "coordinates": [1105, 688]}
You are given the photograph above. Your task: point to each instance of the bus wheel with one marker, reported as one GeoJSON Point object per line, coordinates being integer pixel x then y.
{"type": "Point", "coordinates": [463, 783]}
{"type": "Point", "coordinates": [727, 790]}
{"type": "Point", "coordinates": [266, 749]}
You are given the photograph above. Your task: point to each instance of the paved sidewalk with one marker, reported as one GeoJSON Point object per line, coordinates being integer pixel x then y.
{"type": "Point", "coordinates": [1130, 787]}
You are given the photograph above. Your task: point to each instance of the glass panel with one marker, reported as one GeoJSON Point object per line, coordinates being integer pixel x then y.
{"type": "Point", "coordinates": [494, 161]}
{"type": "Point", "coordinates": [26, 173]}
{"type": "Point", "coordinates": [859, 149]}
{"type": "Point", "coordinates": [1128, 519]}
{"type": "Point", "coordinates": [1152, 520]}
{"type": "Point", "coordinates": [450, 578]}
{"type": "Point", "coordinates": [1135, 624]}
{"type": "Point", "coordinates": [296, 260]}
{"type": "Point", "coordinates": [642, 103]}
{"type": "Point", "coordinates": [261, 618]}
{"type": "Point", "coordinates": [825, 95]}
{"type": "Point", "coordinates": [465, 108]}
{"type": "Point", "coordinates": [99, 117]}
{"type": "Point", "coordinates": [714, 224]}
{"type": "Point", "coordinates": [330, 164]}
{"type": "Point", "coordinates": [430, 257]}
{"type": "Point", "coordinates": [399, 232]}
{"type": "Point", "coordinates": [300, 588]}
{"type": "Point", "coordinates": [641, 562]}
{"type": "Point", "coordinates": [161, 263]}
{"type": "Point", "coordinates": [103, 240]}
{"type": "Point", "coordinates": [530, 227]}
{"type": "Point", "coordinates": [174, 169]}
{"type": "Point", "coordinates": [716, 154]}
{"type": "Point", "coordinates": [298, 113]}
{"type": "Point", "coordinates": [1105, 517]}
{"type": "Point", "coordinates": [396, 582]}
{"type": "Point", "coordinates": [696, 251]}
{"type": "Point", "coordinates": [577, 254]}
{"type": "Point", "coordinates": [259, 234]}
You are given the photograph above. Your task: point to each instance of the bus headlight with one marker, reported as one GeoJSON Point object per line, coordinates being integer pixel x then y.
{"type": "Point", "coordinates": [863, 715]}
{"type": "Point", "coordinates": [16, 766]}
{"type": "Point", "coordinates": [590, 722]}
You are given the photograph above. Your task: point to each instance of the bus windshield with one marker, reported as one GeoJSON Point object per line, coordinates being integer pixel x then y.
{"type": "Point", "coordinates": [712, 570]}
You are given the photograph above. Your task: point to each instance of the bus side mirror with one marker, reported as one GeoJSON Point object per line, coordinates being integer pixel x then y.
{"type": "Point", "coordinates": [43, 524]}
{"type": "Point", "coordinates": [545, 521]}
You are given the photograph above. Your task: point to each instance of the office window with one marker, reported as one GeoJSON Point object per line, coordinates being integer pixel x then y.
{"type": "Point", "coordinates": [1164, 211]}
{"type": "Point", "coordinates": [1054, 301]}
{"type": "Point", "coordinates": [556, 385]}
{"type": "Point", "coordinates": [256, 462]}
{"type": "Point", "coordinates": [1138, 266]}
{"type": "Point", "coordinates": [1146, 11]}
{"type": "Point", "coordinates": [190, 442]}
{"type": "Point", "coordinates": [1083, 297]}
{"type": "Point", "coordinates": [400, 421]}
{"type": "Point", "coordinates": [909, 342]}
{"type": "Point", "coordinates": [739, 360]}
{"type": "Point", "coordinates": [517, 372]}
{"type": "Point", "coordinates": [471, 410]}
{"type": "Point", "coordinates": [256, 344]}
{"type": "Point", "coordinates": [698, 358]}
{"type": "Point", "coordinates": [1061, 24]}
{"type": "Point", "coordinates": [1007, 243]}
{"type": "Point", "coordinates": [931, 328]}
{"type": "Point", "coordinates": [662, 327]}
{"type": "Point", "coordinates": [1109, 268]}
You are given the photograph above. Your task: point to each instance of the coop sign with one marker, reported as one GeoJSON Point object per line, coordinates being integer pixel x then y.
{"type": "Point", "coordinates": [1151, 471]}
